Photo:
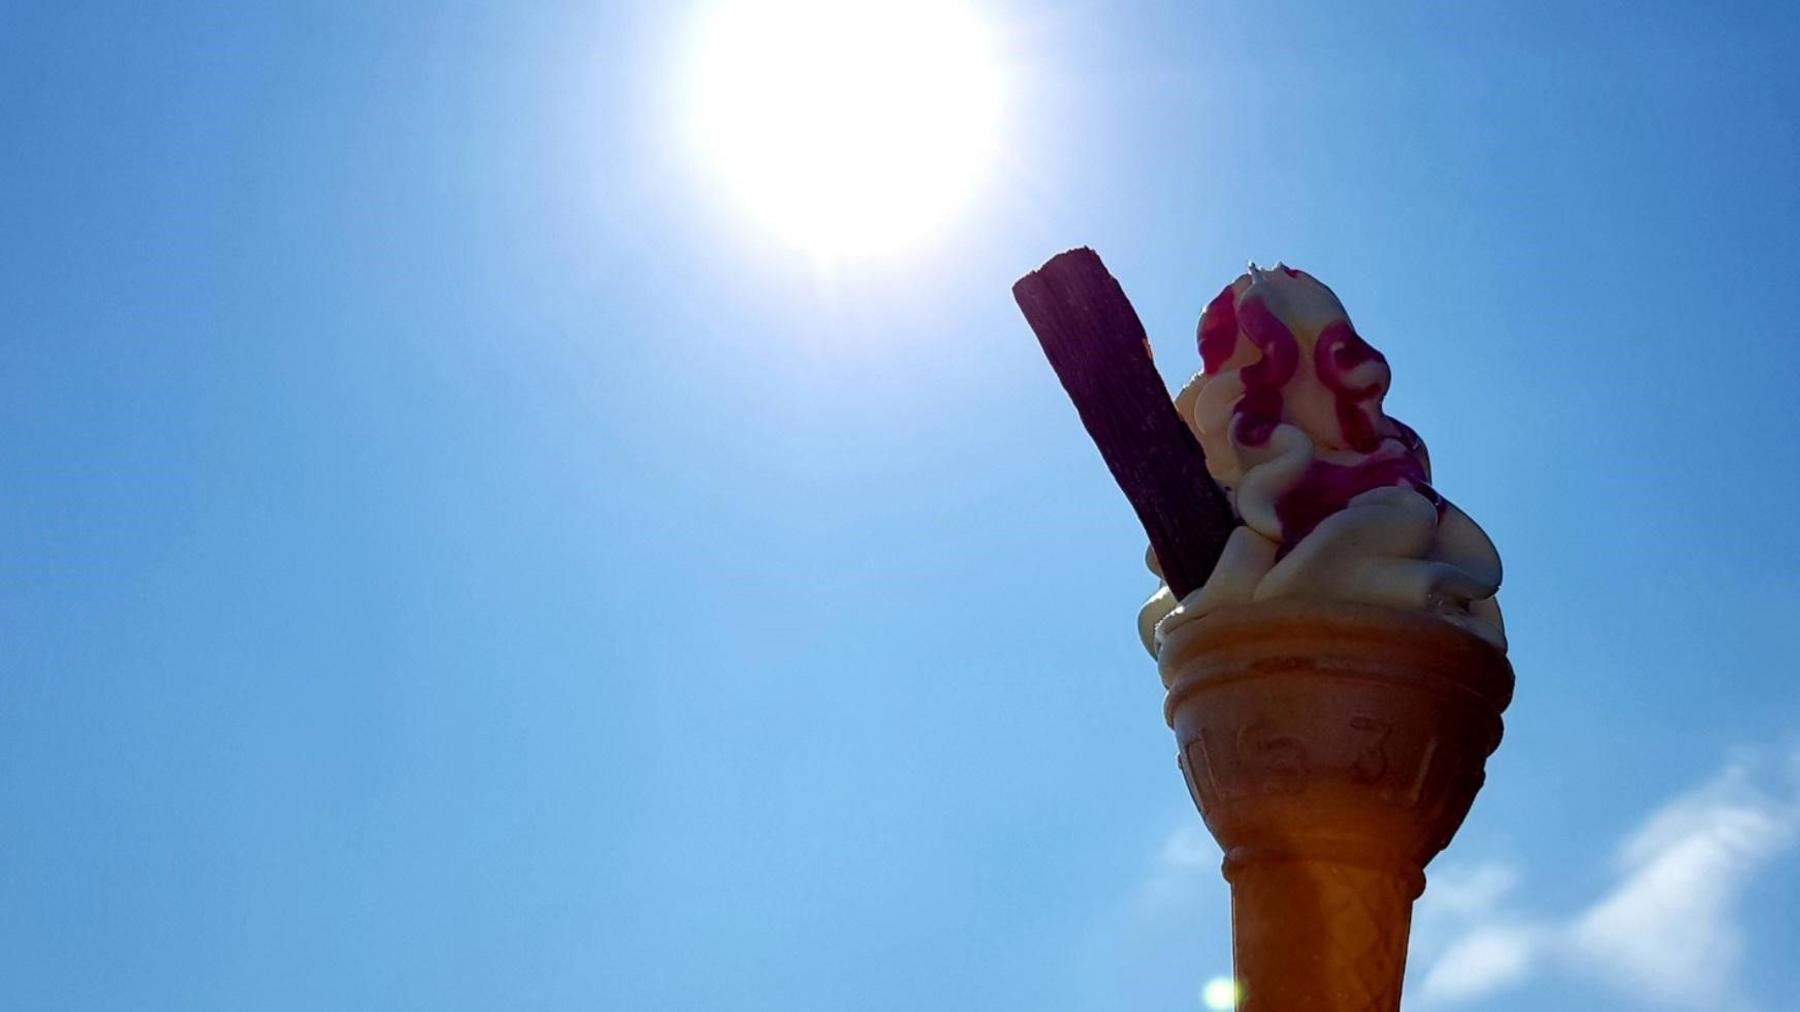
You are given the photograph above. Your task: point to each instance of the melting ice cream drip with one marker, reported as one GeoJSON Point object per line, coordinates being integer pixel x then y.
{"type": "Point", "coordinates": [1333, 497]}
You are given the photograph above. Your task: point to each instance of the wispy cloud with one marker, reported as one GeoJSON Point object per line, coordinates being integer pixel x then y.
{"type": "Point", "coordinates": [1486, 959]}
{"type": "Point", "coordinates": [1188, 854]}
{"type": "Point", "coordinates": [1667, 932]}
{"type": "Point", "coordinates": [1461, 932]}
{"type": "Point", "coordinates": [1467, 893]}
{"type": "Point", "coordinates": [1167, 936]}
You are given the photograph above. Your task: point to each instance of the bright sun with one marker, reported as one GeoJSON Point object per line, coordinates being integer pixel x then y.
{"type": "Point", "coordinates": [849, 127]}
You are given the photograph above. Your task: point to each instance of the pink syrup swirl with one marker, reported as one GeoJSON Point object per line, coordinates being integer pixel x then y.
{"type": "Point", "coordinates": [1387, 452]}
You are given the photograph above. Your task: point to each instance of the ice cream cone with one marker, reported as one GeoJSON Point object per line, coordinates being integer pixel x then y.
{"type": "Point", "coordinates": [1333, 749]}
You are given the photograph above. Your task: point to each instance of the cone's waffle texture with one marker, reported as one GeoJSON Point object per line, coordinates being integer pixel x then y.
{"type": "Point", "coordinates": [1333, 750]}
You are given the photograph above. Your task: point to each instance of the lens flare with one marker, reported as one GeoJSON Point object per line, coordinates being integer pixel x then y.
{"type": "Point", "coordinates": [1220, 993]}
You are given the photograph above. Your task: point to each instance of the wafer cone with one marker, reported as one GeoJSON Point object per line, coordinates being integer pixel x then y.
{"type": "Point", "coordinates": [1333, 749]}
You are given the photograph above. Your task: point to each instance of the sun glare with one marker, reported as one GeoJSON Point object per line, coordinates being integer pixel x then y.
{"type": "Point", "coordinates": [848, 127]}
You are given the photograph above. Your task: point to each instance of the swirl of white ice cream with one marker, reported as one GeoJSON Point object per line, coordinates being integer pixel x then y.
{"type": "Point", "coordinates": [1333, 497]}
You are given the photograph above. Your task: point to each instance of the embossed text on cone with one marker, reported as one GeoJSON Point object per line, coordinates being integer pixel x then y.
{"type": "Point", "coordinates": [1333, 750]}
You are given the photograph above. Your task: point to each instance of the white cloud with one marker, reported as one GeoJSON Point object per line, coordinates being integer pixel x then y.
{"type": "Point", "coordinates": [1461, 933]}
{"type": "Point", "coordinates": [1486, 959]}
{"type": "Point", "coordinates": [1191, 846]}
{"type": "Point", "coordinates": [1669, 930]}
{"type": "Point", "coordinates": [1666, 933]}
{"type": "Point", "coordinates": [1185, 860]}
{"type": "Point", "coordinates": [1467, 892]}
{"type": "Point", "coordinates": [1168, 935]}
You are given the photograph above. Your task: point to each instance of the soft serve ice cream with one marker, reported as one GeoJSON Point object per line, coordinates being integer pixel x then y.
{"type": "Point", "coordinates": [1333, 497]}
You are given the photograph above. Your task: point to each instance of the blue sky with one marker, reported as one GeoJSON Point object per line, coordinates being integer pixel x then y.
{"type": "Point", "coordinates": [448, 560]}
